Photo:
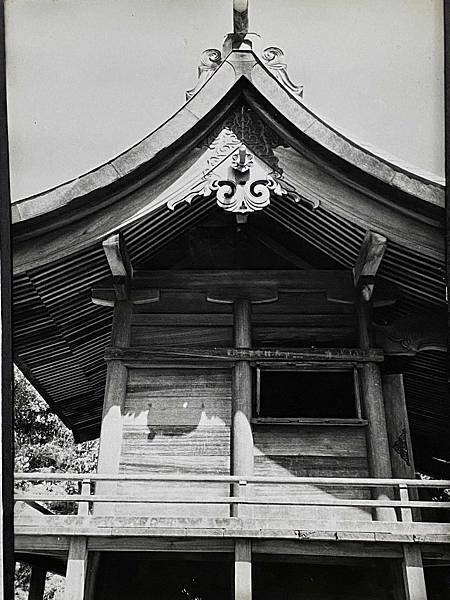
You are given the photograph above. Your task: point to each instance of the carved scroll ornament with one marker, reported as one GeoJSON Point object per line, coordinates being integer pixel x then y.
{"type": "Point", "coordinates": [412, 334]}
{"type": "Point", "coordinates": [240, 182]}
{"type": "Point", "coordinates": [273, 58]}
{"type": "Point", "coordinates": [210, 61]}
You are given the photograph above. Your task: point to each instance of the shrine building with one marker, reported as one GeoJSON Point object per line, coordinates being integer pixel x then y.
{"type": "Point", "coordinates": [249, 310]}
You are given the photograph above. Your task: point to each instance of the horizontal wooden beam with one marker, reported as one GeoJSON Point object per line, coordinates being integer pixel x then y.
{"type": "Point", "coordinates": [49, 562]}
{"type": "Point", "coordinates": [331, 481]}
{"type": "Point", "coordinates": [160, 544]}
{"type": "Point", "coordinates": [281, 280]}
{"type": "Point", "coordinates": [178, 499]}
{"type": "Point", "coordinates": [329, 355]}
{"type": "Point", "coordinates": [321, 549]}
{"type": "Point", "coordinates": [296, 529]}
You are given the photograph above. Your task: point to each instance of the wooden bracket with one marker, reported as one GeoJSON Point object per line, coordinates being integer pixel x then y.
{"type": "Point", "coordinates": [367, 263]}
{"type": "Point", "coordinates": [384, 294]}
{"type": "Point", "coordinates": [108, 296]}
{"type": "Point", "coordinates": [119, 262]}
{"type": "Point", "coordinates": [254, 294]}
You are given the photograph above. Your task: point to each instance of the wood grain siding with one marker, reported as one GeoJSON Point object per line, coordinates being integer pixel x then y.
{"type": "Point", "coordinates": [303, 319]}
{"type": "Point", "coordinates": [185, 318]}
{"type": "Point", "coordinates": [182, 318]}
{"type": "Point", "coordinates": [309, 451]}
{"type": "Point", "coordinates": [177, 421]}
{"type": "Point", "coordinates": [181, 336]}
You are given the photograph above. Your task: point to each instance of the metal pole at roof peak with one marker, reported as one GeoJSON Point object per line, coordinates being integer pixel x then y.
{"type": "Point", "coordinates": [240, 17]}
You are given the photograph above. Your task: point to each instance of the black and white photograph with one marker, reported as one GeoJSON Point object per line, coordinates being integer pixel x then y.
{"type": "Point", "coordinates": [224, 309]}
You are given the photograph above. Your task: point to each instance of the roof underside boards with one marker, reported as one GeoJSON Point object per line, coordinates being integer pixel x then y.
{"type": "Point", "coordinates": [60, 335]}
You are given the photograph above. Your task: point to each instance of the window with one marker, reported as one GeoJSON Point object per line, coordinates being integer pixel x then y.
{"type": "Point", "coordinates": [298, 395]}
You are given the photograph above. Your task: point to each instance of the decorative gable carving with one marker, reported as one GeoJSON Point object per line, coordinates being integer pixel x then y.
{"type": "Point", "coordinates": [250, 130]}
{"type": "Point", "coordinates": [210, 61]}
{"type": "Point", "coordinates": [241, 182]}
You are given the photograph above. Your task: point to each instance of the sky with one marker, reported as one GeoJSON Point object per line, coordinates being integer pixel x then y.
{"type": "Point", "coordinates": [89, 78]}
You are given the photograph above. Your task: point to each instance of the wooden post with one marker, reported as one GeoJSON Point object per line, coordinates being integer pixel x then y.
{"type": "Point", "coordinates": [83, 507]}
{"type": "Point", "coordinates": [115, 390]}
{"type": "Point", "coordinates": [413, 574]}
{"type": "Point", "coordinates": [37, 583]}
{"type": "Point", "coordinates": [243, 569]}
{"type": "Point", "coordinates": [398, 426]}
{"type": "Point", "coordinates": [76, 569]}
{"type": "Point", "coordinates": [93, 563]}
{"type": "Point", "coordinates": [241, 437]}
{"type": "Point", "coordinates": [372, 399]}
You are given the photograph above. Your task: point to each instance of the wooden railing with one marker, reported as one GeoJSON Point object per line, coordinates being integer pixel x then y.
{"type": "Point", "coordinates": [397, 490]}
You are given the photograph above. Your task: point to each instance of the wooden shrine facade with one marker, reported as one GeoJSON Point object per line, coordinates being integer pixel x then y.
{"type": "Point", "coordinates": [246, 308]}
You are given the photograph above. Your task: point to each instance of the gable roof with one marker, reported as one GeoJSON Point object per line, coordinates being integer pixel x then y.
{"type": "Point", "coordinates": [226, 81]}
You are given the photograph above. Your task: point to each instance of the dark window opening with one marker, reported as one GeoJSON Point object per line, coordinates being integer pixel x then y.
{"type": "Point", "coordinates": [306, 394]}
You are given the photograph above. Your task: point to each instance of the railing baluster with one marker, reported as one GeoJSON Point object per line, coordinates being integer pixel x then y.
{"type": "Point", "coordinates": [83, 507]}
{"type": "Point", "coordinates": [240, 492]}
{"type": "Point", "coordinates": [406, 513]}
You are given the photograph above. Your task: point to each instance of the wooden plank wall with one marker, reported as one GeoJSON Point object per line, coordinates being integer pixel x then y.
{"type": "Point", "coordinates": [303, 319]}
{"type": "Point", "coordinates": [296, 319]}
{"type": "Point", "coordinates": [177, 421]}
{"type": "Point", "coordinates": [310, 451]}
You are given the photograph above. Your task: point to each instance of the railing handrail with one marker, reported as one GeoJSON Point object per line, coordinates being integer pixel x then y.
{"type": "Point", "coordinates": [356, 482]}
{"type": "Point", "coordinates": [339, 502]}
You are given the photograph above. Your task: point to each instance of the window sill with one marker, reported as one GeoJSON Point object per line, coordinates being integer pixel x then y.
{"type": "Point", "coordinates": [299, 421]}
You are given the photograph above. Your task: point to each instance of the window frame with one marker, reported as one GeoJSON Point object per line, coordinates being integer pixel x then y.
{"type": "Point", "coordinates": [358, 420]}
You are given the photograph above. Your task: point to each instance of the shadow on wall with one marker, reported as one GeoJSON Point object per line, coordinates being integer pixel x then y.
{"type": "Point", "coordinates": [181, 425]}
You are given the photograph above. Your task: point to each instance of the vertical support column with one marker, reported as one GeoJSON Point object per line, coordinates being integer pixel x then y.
{"type": "Point", "coordinates": [398, 426]}
{"type": "Point", "coordinates": [76, 569]}
{"type": "Point", "coordinates": [37, 583]}
{"type": "Point", "coordinates": [399, 435]}
{"type": "Point", "coordinates": [115, 390]}
{"type": "Point", "coordinates": [372, 398]}
{"type": "Point", "coordinates": [413, 574]}
{"type": "Point", "coordinates": [93, 564]}
{"type": "Point", "coordinates": [241, 431]}
{"type": "Point", "coordinates": [243, 569]}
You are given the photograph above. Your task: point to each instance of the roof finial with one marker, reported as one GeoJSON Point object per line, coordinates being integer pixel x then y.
{"type": "Point", "coordinates": [241, 38]}
{"type": "Point", "coordinates": [240, 17]}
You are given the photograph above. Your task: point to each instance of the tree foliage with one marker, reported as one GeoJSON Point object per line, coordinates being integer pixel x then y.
{"type": "Point", "coordinates": [43, 443]}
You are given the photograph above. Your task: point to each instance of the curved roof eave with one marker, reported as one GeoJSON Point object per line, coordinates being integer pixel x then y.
{"type": "Point", "coordinates": [238, 64]}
